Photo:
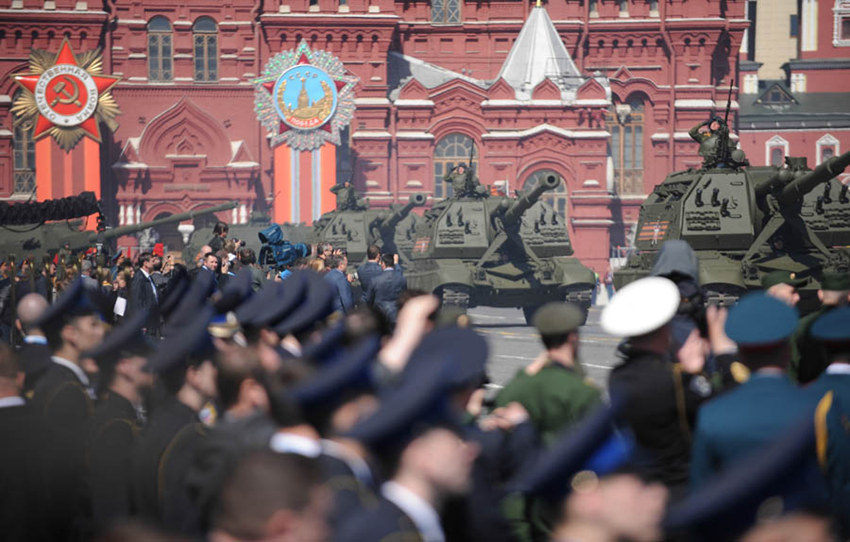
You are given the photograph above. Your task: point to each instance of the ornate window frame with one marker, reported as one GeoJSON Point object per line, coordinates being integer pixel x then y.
{"type": "Point", "coordinates": [205, 50]}
{"type": "Point", "coordinates": [826, 141]}
{"type": "Point", "coordinates": [160, 50]}
{"type": "Point", "coordinates": [774, 143]}
{"type": "Point", "coordinates": [841, 13]}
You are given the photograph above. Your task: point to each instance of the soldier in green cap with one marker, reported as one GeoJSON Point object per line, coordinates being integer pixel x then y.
{"type": "Point", "coordinates": [556, 395]}
{"type": "Point", "coordinates": [783, 286]}
{"type": "Point", "coordinates": [808, 357]}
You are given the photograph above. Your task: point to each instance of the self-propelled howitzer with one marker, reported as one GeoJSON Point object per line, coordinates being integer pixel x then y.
{"type": "Point", "coordinates": [38, 241]}
{"type": "Point", "coordinates": [498, 252]}
{"type": "Point", "coordinates": [747, 221]}
{"type": "Point", "coordinates": [355, 230]}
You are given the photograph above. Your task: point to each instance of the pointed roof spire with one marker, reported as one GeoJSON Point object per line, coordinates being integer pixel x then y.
{"type": "Point", "coordinates": [537, 54]}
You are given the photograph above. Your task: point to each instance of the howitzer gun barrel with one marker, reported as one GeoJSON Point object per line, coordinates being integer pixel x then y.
{"type": "Point", "coordinates": [515, 211]}
{"type": "Point", "coordinates": [801, 186]}
{"type": "Point", "coordinates": [416, 200]}
{"type": "Point", "coordinates": [114, 233]}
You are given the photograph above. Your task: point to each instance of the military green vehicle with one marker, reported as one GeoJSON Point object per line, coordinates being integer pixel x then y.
{"type": "Point", "coordinates": [498, 252]}
{"type": "Point", "coordinates": [745, 221]}
{"type": "Point", "coordinates": [354, 230]}
{"type": "Point", "coordinates": [351, 229]}
{"type": "Point", "coordinates": [39, 240]}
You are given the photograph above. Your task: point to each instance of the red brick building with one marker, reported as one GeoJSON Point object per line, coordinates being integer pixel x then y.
{"type": "Point", "coordinates": [806, 113]}
{"type": "Point", "coordinates": [601, 92]}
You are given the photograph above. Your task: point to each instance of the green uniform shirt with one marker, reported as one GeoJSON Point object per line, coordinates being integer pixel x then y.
{"type": "Point", "coordinates": [808, 357]}
{"type": "Point", "coordinates": [555, 398]}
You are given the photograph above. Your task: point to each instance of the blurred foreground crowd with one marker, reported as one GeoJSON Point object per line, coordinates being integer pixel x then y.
{"type": "Point", "coordinates": [220, 403]}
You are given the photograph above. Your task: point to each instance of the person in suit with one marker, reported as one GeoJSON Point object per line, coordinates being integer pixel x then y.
{"type": "Point", "coordinates": [369, 270]}
{"type": "Point", "coordinates": [736, 424]}
{"type": "Point", "coordinates": [63, 401]}
{"type": "Point", "coordinates": [21, 477]}
{"type": "Point", "coordinates": [166, 446]}
{"type": "Point", "coordinates": [117, 420]}
{"type": "Point", "coordinates": [34, 353]}
{"type": "Point", "coordinates": [343, 298]}
{"type": "Point", "coordinates": [386, 288]}
{"type": "Point", "coordinates": [144, 295]}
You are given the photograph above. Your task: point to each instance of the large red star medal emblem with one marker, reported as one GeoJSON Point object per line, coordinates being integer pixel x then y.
{"type": "Point", "coordinates": [68, 96]}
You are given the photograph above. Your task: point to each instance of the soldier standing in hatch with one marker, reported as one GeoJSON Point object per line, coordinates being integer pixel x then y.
{"type": "Point", "coordinates": [711, 136]}
{"type": "Point", "coordinates": [346, 197]}
{"type": "Point", "coordinates": [464, 182]}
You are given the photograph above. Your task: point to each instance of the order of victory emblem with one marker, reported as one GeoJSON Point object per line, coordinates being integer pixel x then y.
{"type": "Point", "coordinates": [304, 98]}
{"type": "Point", "coordinates": [67, 95]}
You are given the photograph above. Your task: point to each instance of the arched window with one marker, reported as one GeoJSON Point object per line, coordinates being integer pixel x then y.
{"type": "Point", "coordinates": [449, 152]}
{"type": "Point", "coordinates": [445, 11]}
{"type": "Point", "coordinates": [205, 35]}
{"type": "Point", "coordinates": [160, 66]}
{"type": "Point", "coordinates": [556, 198]}
{"type": "Point", "coordinates": [776, 149]}
{"type": "Point", "coordinates": [24, 156]}
{"type": "Point", "coordinates": [625, 123]}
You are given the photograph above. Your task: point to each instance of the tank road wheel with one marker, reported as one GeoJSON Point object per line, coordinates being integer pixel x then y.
{"type": "Point", "coordinates": [528, 312]}
{"type": "Point", "coordinates": [456, 297]}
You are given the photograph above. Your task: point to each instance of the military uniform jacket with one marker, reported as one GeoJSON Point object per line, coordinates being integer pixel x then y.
{"type": "Point", "coordinates": [386, 523]}
{"type": "Point", "coordinates": [660, 405]}
{"type": "Point", "coordinates": [35, 360]}
{"type": "Point", "coordinates": [832, 429]}
{"type": "Point", "coordinates": [63, 406]}
{"type": "Point", "coordinates": [114, 429]}
{"type": "Point", "coordinates": [741, 421]}
{"type": "Point", "coordinates": [22, 499]}
{"type": "Point", "coordinates": [216, 456]}
{"type": "Point", "coordinates": [555, 398]}
{"type": "Point", "coordinates": [164, 448]}
{"type": "Point", "coordinates": [808, 357]}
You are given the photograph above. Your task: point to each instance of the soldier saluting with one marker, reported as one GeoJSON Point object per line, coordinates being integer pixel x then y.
{"type": "Point", "coordinates": [346, 198]}
{"type": "Point", "coordinates": [464, 182]}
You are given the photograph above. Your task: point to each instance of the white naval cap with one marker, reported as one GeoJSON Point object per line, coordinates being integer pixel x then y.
{"type": "Point", "coordinates": [640, 307]}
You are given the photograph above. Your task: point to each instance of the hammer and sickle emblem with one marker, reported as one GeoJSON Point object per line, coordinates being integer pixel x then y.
{"type": "Point", "coordinates": [70, 97]}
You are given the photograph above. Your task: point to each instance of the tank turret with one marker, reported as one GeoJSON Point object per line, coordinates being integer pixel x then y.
{"type": "Point", "coordinates": [391, 221]}
{"type": "Point", "coordinates": [521, 205]}
{"type": "Point", "coordinates": [355, 229]}
{"type": "Point", "coordinates": [744, 222]}
{"type": "Point", "coordinates": [498, 252]}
